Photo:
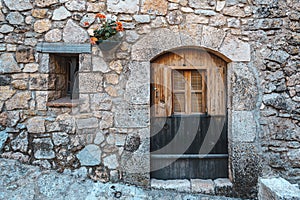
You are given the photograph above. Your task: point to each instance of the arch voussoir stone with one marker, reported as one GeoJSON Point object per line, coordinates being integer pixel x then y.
{"type": "Point", "coordinates": [212, 39]}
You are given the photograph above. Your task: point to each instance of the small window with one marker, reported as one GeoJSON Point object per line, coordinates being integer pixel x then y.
{"type": "Point", "coordinates": [189, 91]}
{"type": "Point", "coordinates": [64, 73]}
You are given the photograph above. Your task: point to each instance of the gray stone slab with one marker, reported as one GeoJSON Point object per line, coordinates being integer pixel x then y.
{"type": "Point", "coordinates": [277, 189]}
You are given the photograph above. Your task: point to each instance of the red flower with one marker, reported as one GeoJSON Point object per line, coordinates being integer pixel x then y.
{"type": "Point", "coordinates": [119, 26]}
{"type": "Point", "coordinates": [86, 23]}
{"type": "Point", "coordinates": [101, 16]}
{"type": "Point", "coordinates": [93, 40]}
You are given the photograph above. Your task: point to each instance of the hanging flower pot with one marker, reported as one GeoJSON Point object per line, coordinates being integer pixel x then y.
{"type": "Point", "coordinates": [108, 45]}
{"type": "Point", "coordinates": [111, 43]}
{"type": "Point", "coordinates": [107, 34]}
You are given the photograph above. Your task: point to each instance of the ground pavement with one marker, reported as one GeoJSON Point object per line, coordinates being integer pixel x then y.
{"type": "Point", "coordinates": [26, 182]}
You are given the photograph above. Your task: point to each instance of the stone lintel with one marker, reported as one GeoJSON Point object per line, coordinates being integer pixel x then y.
{"type": "Point", "coordinates": [61, 47]}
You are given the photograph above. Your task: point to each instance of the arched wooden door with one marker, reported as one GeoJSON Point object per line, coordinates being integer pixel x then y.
{"type": "Point", "coordinates": [188, 116]}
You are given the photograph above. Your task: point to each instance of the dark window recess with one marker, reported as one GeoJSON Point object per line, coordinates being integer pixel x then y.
{"type": "Point", "coordinates": [72, 77]}
{"type": "Point", "coordinates": [64, 79]}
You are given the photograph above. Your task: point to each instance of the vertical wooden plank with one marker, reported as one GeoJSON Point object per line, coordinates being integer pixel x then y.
{"type": "Point", "coordinates": [187, 76]}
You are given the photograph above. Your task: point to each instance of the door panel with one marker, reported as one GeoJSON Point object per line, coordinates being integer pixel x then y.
{"type": "Point", "coordinates": [183, 137]}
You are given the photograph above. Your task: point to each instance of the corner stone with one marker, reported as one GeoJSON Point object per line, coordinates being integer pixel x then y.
{"type": "Point", "coordinates": [90, 155]}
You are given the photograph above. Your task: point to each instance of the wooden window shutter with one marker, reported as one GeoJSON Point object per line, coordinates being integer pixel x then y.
{"type": "Point", "coordinates": [161, 90]}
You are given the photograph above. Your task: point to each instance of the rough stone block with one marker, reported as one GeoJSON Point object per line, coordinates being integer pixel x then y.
{"type": "Point", "coordinates": [125, 6]}
{"type": "Point", "coordinates": [61, 13]}
{"type": "Point", "coordinates": [277, 189]}
{"type": "Point", "coordinates": [90, 155]}
{"type": "Point", "coordinates": [41, 100]}
{"type": "Point", "coordinates": [8, 64]}
{"type": "Point", "coordinates": [40, 82]}
{"type": "Point", "coordinates": [54, 35]}
{"type": "Point", "coordinates": [141, 18]}
{"type": "Point", "coordinates": [136, 162]}
{"type": "Point", "coordinates": [158, 7]}
{"type": "Point", "coordinates": [234, 11]}
{"type": "Point", "coordinates": [244, 87]}
{"type": "Point", "coordinates": [235, 49]}
{"type": "Point", "coordinates": [203, 186]}
{"type": "Point", "coordinates": [43, 3]}
{"type": "Point", "coordinates": [111, 161]}
{"type": "Point", "coordinates": [15, 18]}
{"type": "Point", "coordinates": [20, 143]}
{"type": "Point", "coordinates": [19, 101]}
{"type": "Point", "coordinates": [3, 117]}
{"type": "Point", "coordinates": [6, 28]}
{"type": "Point", "coordinates": [66, 123]}
{"type": "Point", "coordinates": [5, 80]}
{"type": "Point", "coordinates": [107, 120]}
{"type": "Point", "coordinates": [25, 54]}
{"type": "Point", "coordinates": [90, 82]}
{"type": "Point", "coordinates": [6, 92]}
{"type": "Point", "coordinates": [41, 26]}
{"type": "Point", "coordinates": [137, 88]}
{"type": "Point", "coordinates": [36, 125]}
{"type": "Point", "coordinates": [73, 33]}
{"type": "Point", "coordinates": [19, 5]}
{"type": "Point", "coordinates": [85, 62]}
{"type": "Point", "coordinates": [87, 123]}
{"type": "Point", "coordinates": [99, 65]}
{"type": "Point", "coordinates": [99, 138]}
{"type": "Point", "coordinates": [130, 116]}
{"type": "Point", "coordinates": [212, 37]}
{"type": "Point", "coordinates": [43, 148]}
{"type": "Point", "coordinates": [60, 138]}
{"type": "Point", "coordinates": [294, 157]}
{"type": "Point", "coordinates": [95, 7]}
{"type": "Point", "coordinates": [39, 13]}
{"type": "Point", "coordinates": [179, 185]}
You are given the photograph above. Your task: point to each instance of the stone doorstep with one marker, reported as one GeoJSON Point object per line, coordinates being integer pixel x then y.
{"type": "Point", "coordinates": [220, 186]}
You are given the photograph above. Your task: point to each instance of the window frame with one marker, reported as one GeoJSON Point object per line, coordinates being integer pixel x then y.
{"type": "Point", "coordinates": [188, 90]}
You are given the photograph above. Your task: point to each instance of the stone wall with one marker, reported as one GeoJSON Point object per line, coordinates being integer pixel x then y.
{"type": "Point", "coordinates": [107, 131]}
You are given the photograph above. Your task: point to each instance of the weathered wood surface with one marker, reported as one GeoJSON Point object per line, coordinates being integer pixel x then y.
{"type": "Point", "coordinates": [194, 137]}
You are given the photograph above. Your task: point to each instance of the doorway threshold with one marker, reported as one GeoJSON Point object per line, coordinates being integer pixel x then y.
{"type": "Point", "coordinates": [219, 186]}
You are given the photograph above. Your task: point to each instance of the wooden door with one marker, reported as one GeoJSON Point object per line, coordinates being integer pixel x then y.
{"type": "Point", "coordinates": [188, 116]}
